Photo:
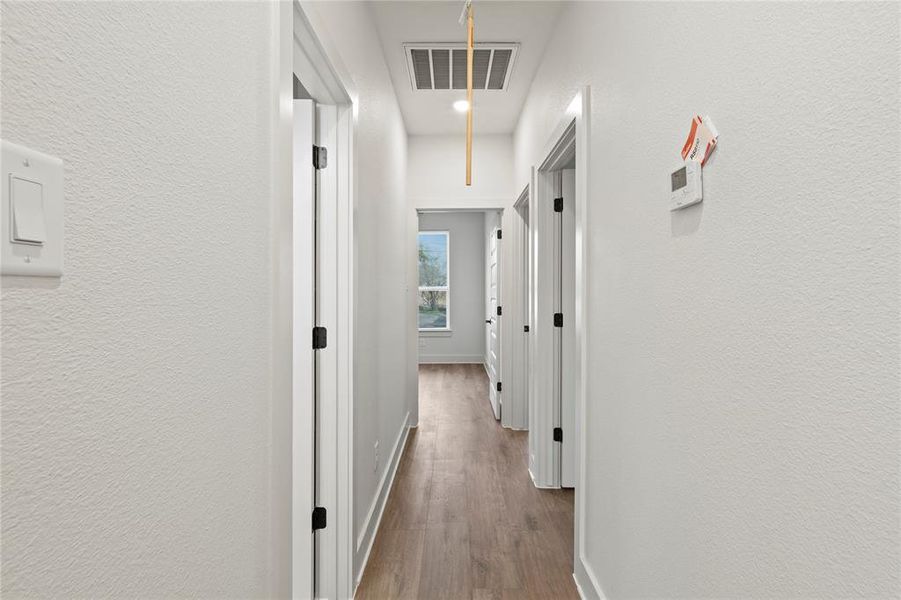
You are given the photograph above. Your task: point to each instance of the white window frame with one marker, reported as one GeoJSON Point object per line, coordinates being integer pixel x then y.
{"type": "Point", "coordinates": [436, 288]}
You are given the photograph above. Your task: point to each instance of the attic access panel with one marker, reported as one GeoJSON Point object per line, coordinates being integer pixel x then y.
{"type": "Point", "coordinates": [442, 67]}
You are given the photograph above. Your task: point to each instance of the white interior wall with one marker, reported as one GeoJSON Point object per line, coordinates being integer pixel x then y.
{"type": "Point", "coordinates": [743, 380]}
{"type": "Point", "coordinates": [465, 343]}
{"type": "Point", "coordinates": [136, 390]}
{"type": "Point", "coordinates": [437, 167]}
{"type": "Point", "coordinates": [384, 359]}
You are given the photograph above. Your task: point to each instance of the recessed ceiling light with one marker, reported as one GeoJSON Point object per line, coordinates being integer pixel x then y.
{"type": "Point", "coordinates": [461, 106]}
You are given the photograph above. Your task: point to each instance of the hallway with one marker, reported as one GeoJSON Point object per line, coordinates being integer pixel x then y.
{"type": "Point", "coordinates": [463, 519]}
{"type": "Point", "coordinates": [325, 300]}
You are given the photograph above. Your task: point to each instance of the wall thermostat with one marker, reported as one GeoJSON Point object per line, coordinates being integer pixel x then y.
{"type": "Point", "coordinates": [686, 187]}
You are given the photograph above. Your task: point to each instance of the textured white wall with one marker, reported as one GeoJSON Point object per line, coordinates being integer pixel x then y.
{"type": "Point", "coordinates": [743, 391]}
{"type": "Point", "coordinates": [436, 170]}
{"type": "Point", "coordinates": [466, 341]}
{"type": "Point", "coordinates": [135, 394]}
{"type": "Point", "coordinates": [384, 359]}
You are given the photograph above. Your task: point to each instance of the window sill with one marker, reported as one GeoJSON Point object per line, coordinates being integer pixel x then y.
{"type": "Point", "coordinates": [436, 332]}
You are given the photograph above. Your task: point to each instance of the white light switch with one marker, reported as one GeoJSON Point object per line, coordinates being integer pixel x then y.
{"type": "Point", "coordinates": [31, 234]}
{"type": "Point", "coordinates": [28, 211]}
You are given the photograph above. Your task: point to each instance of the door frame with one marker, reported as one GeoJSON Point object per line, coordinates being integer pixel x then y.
{"type": "Point", "coordinates": [299, 50]}
{"type": "Point", "coordinates": [568, 351]}
{"type": "Point", "coordinates": [544, 453]}
{"type": "Point", "coordinates": [571, 134]}
{"type": "Point", "coordinates": [518, 299]}
{"type": "Point", "coordinates": [505, 206]}
{"type": "Point", "coordinates": [504, 284]}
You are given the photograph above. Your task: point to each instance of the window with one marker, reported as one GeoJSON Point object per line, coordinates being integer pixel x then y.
{"type": "Point", "coordinates": [434, 293]}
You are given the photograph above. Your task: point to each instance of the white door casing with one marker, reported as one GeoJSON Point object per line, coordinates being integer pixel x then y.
{"type": "Point", "coordinates": [310, 58]}
{"type": "Point", "coordinates": [303, 52]}
{"type": "Point", "coordinates": [543, 402]}
{"type": "Point", "coordinates": [518, 320]}
{"type": "Point", "coordinates": [568, 348]}
{"type": "Point", "coordinates": [569, 140]}
{"type": "Point", "coordinates": [546, 339]}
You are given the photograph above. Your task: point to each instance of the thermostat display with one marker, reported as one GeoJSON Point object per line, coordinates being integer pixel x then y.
{"type": "Point", "coordinates": [679, 179]}
{"type": "Point", "coordinates": [685, 185]}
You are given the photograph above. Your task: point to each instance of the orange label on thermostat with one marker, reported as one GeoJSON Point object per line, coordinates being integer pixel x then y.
{"type": "Point", "coordinates": [701, 140]}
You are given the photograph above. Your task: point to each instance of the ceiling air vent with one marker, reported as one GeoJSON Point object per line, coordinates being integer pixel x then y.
{"type": "Point", "coordinates": [443, 66]}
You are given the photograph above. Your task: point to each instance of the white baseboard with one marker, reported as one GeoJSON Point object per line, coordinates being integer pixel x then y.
{"type": "Point", "coordinates": [450, 359]}
{"type": "Point", "coordinates": [541, 486]}
{"type": "Point", "coordinates": [377, 509]}
{"type": "Point", "coordinates": [586, 582]}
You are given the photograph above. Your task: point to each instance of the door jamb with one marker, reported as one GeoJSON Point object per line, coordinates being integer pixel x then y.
{"type": "Point", "coordinates": [544, 459]}
{"type": "Point", "coordinates": [577, 119]}
{"type": "Point", "coordinates": [308, 58]}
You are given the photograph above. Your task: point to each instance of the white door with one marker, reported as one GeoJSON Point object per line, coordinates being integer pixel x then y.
{"type": "Point", "coordinates": [569, 351]}
{"type": "Point", "coordinates": [493, 320]}
{"type": "Point", "coordinates": [303, 365]}
{"type": "Point", "coordinates": [526, 284]}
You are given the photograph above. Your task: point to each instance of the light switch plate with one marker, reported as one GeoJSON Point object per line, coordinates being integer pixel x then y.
{"type": "Point", "coordinates": [36, 181]}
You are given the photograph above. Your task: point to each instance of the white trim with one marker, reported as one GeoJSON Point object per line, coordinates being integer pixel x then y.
{"type": "Point", "coordinates": [544, 343]}
{"type": "Point", "coordinates": [586, 582]}
{"type": "Point", "coordinates": [439, 205]}
{"type": "Point", "coordinates": [329, 83]}
{"type": "Point", "coordinates": [542, 337]}
{"type": "Point", "coordinates": [568, 357]}
{"type": "Point", "coordinates": [377, 508]}
{"type": "Point", "coordinates": [436, 333]}
{"type": "Point", "coordinates": [343, 337]}
{"type": "Point", "coordinates": [572, 131]}
{"type": "Point", "coordinates": [582, 107]}
{"type": "Point", "coordinates": [313, 66]}
{"type": "Point", "coordinates": [451, 359]}
{"type": "Point", "coordinates": [541, 486]}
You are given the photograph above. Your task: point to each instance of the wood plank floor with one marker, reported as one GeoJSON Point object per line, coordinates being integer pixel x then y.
{"type": "Point", "coordinates": [464, 519]}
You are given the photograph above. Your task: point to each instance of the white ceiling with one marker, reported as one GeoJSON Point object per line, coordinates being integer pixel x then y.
{"type": "Point", "coordinates": [431, 112]}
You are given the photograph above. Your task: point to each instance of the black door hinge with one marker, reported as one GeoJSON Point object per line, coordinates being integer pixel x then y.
{"type": "Point", "coordinates": [558, 319]}
{"type": "Point", "coordinates": [558, 434]}
{"type": "Point", "coordinates": [320, 157]}
{"type": "Point", "coordinates": [320, 338]}
{"type": "Point", "coordinates": [525, 328]}
{"type": "Point", "coordinates": [499, 310]}
{"type": "Point", "coordinates": [500, 386]}
{"type": "Point", "coordinates": [500, 234]}
{"type": "Point", "coordinates": [320, 518]}
{"type": "Point", "coordinates": [558, 204]}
